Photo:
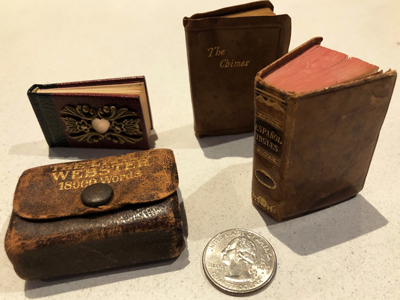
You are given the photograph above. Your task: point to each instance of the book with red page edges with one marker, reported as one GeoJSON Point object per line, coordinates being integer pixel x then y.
{"type": "Point", "coordinates": [318, 114]}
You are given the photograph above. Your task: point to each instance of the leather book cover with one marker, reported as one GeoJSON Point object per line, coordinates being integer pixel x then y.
{"type": "Point", "coordinates": [99, 119]}
{"type": "Point", "coordinates": [225, 49]}
{"type": "Point", "coordinates": [313, 149]}
{"type": "Point", "coordinates": [91, 215]}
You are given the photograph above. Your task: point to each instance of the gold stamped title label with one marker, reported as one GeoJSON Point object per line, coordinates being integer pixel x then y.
{"type": "Point", "coordinates": [80, 175]}
{"type": "Point", "coordinates": [267, 138]}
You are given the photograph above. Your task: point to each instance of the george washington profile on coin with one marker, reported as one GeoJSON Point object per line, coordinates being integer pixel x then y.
{"type": "Point", "coordinates": [239, 261]}
{"type": "Point", "coordinates": [240, 257]}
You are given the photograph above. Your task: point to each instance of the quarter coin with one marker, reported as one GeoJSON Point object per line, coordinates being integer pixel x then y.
{"type": "Point", "coordinates": [239, 261]}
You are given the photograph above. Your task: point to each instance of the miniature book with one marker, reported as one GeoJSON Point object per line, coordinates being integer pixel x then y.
{"type": "Point", "coordinates": [225, 49]}
{"type": "Point", "coordinates": [91, 215]}
{"type": "Point", "coordinates": [110, 113]}
{"type": "Point", "coordinates": [318, 114]}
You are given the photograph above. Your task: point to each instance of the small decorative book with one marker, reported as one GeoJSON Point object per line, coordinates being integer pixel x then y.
{"type": "Point", "coordinates": [318, 114]}
{"type": "Point", "coordinates": [85, 216]}
{"type": "Point", "coordinates": [109, 113]}
{"type": "Point", "coordinates": [225, 49]}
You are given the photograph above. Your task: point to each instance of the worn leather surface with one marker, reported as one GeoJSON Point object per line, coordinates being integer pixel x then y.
{"type": "Point", "coordinates": [328, 139]}
{"type": "Point", "coordinates": [222, 96]}
{"type": "Point", "coordinates": [49, 244]}
{"type": "Point", "coordinates": [139, 177]}
{"type": "Point", "coordinates": [47, 249]}
{"type": "Point", "coordinates": [47, 108]}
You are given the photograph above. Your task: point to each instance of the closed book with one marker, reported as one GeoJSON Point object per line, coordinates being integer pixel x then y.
{"type": "Point", "coordinates": [109, 113]}
{"type": "Point", "coordinates": [225, 49]}
{"type": "Point", "coordinates": [86, 216]}
{"type": "Point", "coordinates": [318, 114]}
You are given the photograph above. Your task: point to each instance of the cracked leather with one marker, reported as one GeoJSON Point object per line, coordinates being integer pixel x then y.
{"type": "Point", "coordinates": [44, 242]}
{"type": "Point", "coordinates": [328, 140]}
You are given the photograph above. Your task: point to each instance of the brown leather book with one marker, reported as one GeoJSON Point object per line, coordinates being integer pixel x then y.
{"type": "Point", "coordinates": [91, 215]}
{"type": "Point", "coordinates": [225, 49]}
{"type": "Point", "coordinates": [108, 113]}
{"type": "Point", "coordinates": [318, 115]}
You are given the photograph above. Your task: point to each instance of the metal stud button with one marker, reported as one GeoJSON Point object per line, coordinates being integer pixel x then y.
{"type": "Point", "coordinates": [97, 194]}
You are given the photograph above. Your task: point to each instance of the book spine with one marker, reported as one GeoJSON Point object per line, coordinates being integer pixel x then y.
{"type": "Point", "coordinates": [48, 120]}
{"type": "Point", "coordinates": [269, 143]}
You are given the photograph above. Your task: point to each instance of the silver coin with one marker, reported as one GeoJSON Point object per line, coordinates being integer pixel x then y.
{"type": "Point", "coordinates": [239, 261]}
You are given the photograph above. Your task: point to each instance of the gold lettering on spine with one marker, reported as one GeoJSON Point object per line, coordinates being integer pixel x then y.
{"type": "Point", "coordinates": [268, 138]}
{"type": "Point", "coordinates": [269, 133]}
{"type": "Point", "coordinates": [266, 142]}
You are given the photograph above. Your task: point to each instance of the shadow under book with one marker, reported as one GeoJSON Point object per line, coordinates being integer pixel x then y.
{"type": "Point", "coordinates": [318, 114]}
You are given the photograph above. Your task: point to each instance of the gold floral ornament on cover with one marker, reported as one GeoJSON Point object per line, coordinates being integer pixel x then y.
{"type": "Point", "coordinates": [87, 124]}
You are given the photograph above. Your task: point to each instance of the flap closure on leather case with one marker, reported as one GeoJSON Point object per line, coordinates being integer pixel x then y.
{"type": "Point", "coordinates": [55, 191]}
